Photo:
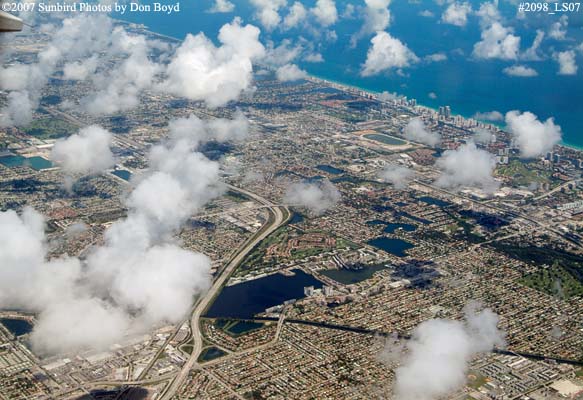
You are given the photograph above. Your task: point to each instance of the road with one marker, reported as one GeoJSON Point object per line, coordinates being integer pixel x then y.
{"type": "Point", "coordinates": [278, 216]}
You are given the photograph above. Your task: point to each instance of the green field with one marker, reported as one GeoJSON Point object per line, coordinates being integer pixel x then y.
{"type": "Point", "coordinates": [50, 128]}
{"type": "Point", "coordinates": [523, 174]}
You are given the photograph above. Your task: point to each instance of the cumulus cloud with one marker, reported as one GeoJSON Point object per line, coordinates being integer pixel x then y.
{"type": "Point", "coordinates": [520, 71]}
{"type": "Point", "coordinates": [483, 136]}
{"type": "Point", "coordinates": [567, 63]}
{"type": "Point", "coordinates": [80, 70]}
{"type": "Point", "coordinates": [283, 54]}
{"type": "Point", "coordinates": [377, 17]}
{"type": "Point", "coordinates": [397, 175]}
{"type": "Point", "coordinates": [489, 116]}
{"type": "Point", "coordinates": [533, 137]}
{"type": "Point", "coordinates": [297, 14]}
{"type": "Point", "coordinates": [314, 58]}
{"type": "Point", "coordinates": [531, 53]}
{"type": "Point", "coordinates": [79, 36]}
{"type": "Point", "coordinates": [222, 6]}
{"type": "Point", "coordinates": [416, 131]}
{"type": "Point", "coordinates": [488, 13]}
{"type": "Point", "coordinates": [325, 12]}
{"type": "Point", "coordinates": [558, 30]}
{"type": "Point", "coordinates": [387, 53]}
{"type": "Point", "coordinates": [439, 352]}
{"type": "Point", "coordinates": [317, 197]}
{"type": "Point", "coordinates": [290, 72]}
{"type": "Point", "coordinates": [201, 71]}
{"type": "Point", "coordinates": [139, 277]}
{"type": "Point", "coordinates": [87, 152]}
{"type": "Point", "coordinates": [436, 57]}
{"type": "Point", "coordinates": [497, 42]}
{"type": "Point", "coordinates": [467, 166]}
{"type": "Point", "coordinates": [457, 14]}
{"type": "Point", "coordinates": [267, 12]}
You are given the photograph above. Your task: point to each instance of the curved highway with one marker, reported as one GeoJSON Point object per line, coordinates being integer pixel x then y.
{"type": "Point", "coordinates": [278, 215]}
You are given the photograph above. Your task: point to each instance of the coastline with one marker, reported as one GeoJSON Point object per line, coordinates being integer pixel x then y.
{"type": "Point", "coordinates": [361, 89]}
{"type": "Point", "coordinates": [374, 92]}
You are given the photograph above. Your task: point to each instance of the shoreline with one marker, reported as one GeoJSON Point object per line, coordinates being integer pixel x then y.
{"type": "Point", "coordinates": [570, 146]}
{"type": "Point", "coordinates": [368, 91]}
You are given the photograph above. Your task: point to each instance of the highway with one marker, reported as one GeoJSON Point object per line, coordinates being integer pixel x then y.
{"type": "Point", "coordinates": [278, 216]}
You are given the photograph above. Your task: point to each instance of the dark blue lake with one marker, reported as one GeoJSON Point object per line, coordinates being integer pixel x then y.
{"type": "Point", "coordinates": [396, 247]}
{"type": "Point", "coordinates": [350, 276]}
{"type": "Point", "coordinates": [123, 174]}
{"type": "Point", "coordinates": [18, 327]}
{"type": "Point", "coordinates": [391, 227]}
{"type": "Point", "coordinates": [330, 169]}
{"type": "Point", "coordinates": [247, 299]}
{"type": "Point", "coordinates": [433, 201]}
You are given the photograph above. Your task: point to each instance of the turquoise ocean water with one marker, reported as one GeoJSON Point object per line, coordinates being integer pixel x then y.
{"type": "Point", "coordinates": [466, 84]}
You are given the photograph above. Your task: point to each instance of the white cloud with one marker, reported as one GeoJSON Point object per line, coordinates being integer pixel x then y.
{"type": "Point", "coordinates": [467, 166]}
{"type": "Point", "coordinates": [457, 14]}
{"type": "Point", "coordinates": [325, 12]}
{"type": "Point", "coordinates": [521, 71]}
{"type": "Point", "coordinates": [217, 75]}
{"type": "Point", "coordinates": [290, 72]}
{"type": "Point", "coordinates": [317, 197]}
{"type": "Point", "coordinates": [532, 137]}
{"type": "Point", "coordinates": [532, 53]}
{"type": "Point", "coordinates": [488, 14]}
{"type": "Point", "coordinates": [377, 18]}
{"type": "Point", "coordinates": [439, 353]}
{"type": "Point", "coordinates": [426, 14]}
{"type": "Point", "coordinates": [283, 54]}
{"type": "Point", "coordinates": [398, 175]}
{"type": "Point", "coordinates": [567, 62]}
{"type": "Point", "coordinates": [80, 70]}
{"type": "Point", "coordinates": [436, 57]}
{"type": "Point", "coordinates": [222, 6]}
{"type": "Point", "coordinates": [297, 14]}
{"type": "Point", "coordinates": [314, 58]}
{"type": "Point", "coordinates": [416, 131]}
{"type": "Point", "coordinates": [84, 153]}
{"type": "Point", "coordinates": [387, 53]}
{"type": "Point", "coordinates": [558, 30]}
{"type": "Point", "coordinates": [483, 136]}
{"type": "Point", "coordinates": [139, 277]}
{"type": "Point", "coordinates": [497, 42]}
{"type": "Point", "coordinates": [78, 37]}
{"type": "Point", "coordinates": [489, 116]}
{"type": "Point", "coordinates": [267, 12]}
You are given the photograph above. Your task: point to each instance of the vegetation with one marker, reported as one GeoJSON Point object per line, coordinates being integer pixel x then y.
{"type": "Point", "coordinates": [50, 128]}
{"type": "Point", "coordinates": [522, 173]}
{"type": "Point", "coordinates": [561, 272]}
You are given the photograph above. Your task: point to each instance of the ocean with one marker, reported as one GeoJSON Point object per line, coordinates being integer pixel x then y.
{"type": "Point", "coordinates": [465, 84]}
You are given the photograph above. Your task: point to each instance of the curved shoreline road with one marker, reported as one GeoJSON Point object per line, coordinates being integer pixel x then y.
{"type": "Point", "coordinates": [278, 216]}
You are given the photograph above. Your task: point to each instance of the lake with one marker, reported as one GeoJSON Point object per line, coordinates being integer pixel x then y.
{"type": "Point", "coordinates": [247, 299]}
{"type": "Point", "coordinates": [351, 276]}
{"type": "Point", "coordinates": [17, 327]}
{"type": "Point", "coordinates": [330, 169]}
{"type": "Point", "coordinates": [37, 163]}
{"type": "Point", "coordinates": [123, 174]}
{"type": "Point", "coordinates": [397, 247]}
{"type": "Point", "coordinates": [385, 139]}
